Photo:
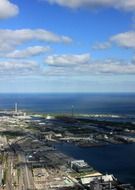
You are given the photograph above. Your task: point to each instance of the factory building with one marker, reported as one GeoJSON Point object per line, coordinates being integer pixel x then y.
{"type": "Point", "coordinates": [80, 166]}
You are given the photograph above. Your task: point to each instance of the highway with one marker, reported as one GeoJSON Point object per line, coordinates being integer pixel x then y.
{"type": "Point", "coordinates": [26, 179]}
{"type": "Point", "coordinates": [1, 172]}
{"type": "Point", "coordinates": [9, 175]}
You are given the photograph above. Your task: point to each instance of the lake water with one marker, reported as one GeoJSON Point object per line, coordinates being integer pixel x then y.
{"type": "Point", "coordinates": [118, 160]}
{"type": "Point", "coordinates": [62, 102]}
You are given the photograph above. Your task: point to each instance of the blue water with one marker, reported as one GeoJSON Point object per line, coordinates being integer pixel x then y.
{"type": "Point", "coordinates": [62, 103]}
{"type": "Point", "coordinates": [118, 160]}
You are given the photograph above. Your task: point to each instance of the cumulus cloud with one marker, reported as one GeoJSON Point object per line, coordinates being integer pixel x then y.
{"type": "Point", "coordinates": [83, 64]}
{"type": "Point", "coordinates": [67, 60]}
{"type": "Point", "coordinates": [10, 39]}
{"type": "Point", "coordinates": [126, 40]}
{"type": "Point", "coordinates": [109, 67]}
{"type": "Point", "coordinates": [112, 67]}
{"type": "Point", "coordinates": [127, 5]}
{"type": "Point", "coordinates": [18, 68]}
{"type": "Point", "coordinates": [28, 52]}
{"type": "Point", "coordinates": [8, 9]}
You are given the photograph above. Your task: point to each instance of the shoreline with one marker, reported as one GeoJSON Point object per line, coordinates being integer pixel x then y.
{"type": "Point", "coordinates": [32, 138]}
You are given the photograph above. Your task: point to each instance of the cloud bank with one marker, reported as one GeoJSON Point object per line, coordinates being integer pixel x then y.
{"type": "Point", "coordinates": [10, 39]}
{"type": "Point", "coordinates": [84, 65]}
{"type": "Point", "coordinates": [14, 44]}
{"type": "Point", "coordinates": [126, 5]}
{"type": "Point", "coordinates": [18, 68]}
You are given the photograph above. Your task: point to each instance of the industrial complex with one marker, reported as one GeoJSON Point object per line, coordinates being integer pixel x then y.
{"type": "Point", "coordinates": [30, 161]}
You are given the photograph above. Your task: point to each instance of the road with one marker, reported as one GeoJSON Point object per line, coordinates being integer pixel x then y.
{"type": "Point", "coordinates": [26, 179]}
{"type": "Point", "coordinates": [9, 175]}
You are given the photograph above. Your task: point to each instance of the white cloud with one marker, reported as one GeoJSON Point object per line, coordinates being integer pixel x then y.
{"type": "Point", "coordinates": [67, 60]}
{"type": "Point", "coordinates": [83, 65]}
{"type": "Point", "coordinates": [28, 52]}
{"type": "Point", "coordinates": [127, 5]}
{"type": "Point", "coordinates": [67, 65]}
{"type": "Point", "coordinates": [108, 67]}
{"type": "Point", "coordinates": [126, 40]}
{"type": "Point", "coordinates": [8, 9]}
{"type": "Point", "coordinates": [112, 67]}
{"type": "Point", "coordinates": [18, 68]}
{"type": "Point", "coordinates": [101, 46]}
{"type": "Point", "coordinates": [9, 39]}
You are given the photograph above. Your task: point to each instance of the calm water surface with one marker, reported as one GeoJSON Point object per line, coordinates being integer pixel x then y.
{"type": "Point", "coordinates": [62, 103]}
{"type": "Point", "coordinates": [118, 160]}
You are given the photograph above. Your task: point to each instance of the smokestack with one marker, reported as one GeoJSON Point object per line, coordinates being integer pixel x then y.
{"type": "Point", "coordinates": [16, 107]}
{"type": "Point", "coordinates": [72, 111]}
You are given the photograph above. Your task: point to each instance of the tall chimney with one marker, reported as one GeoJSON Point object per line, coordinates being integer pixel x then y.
{"type": "Point", "coordinates": [16, 107]}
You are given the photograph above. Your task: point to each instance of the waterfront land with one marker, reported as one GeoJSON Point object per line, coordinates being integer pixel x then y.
{"type": "Point", "coordinates": [30, 161]}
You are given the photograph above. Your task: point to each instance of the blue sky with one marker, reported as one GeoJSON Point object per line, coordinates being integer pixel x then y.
{"type": "Point", "coordinates": [67, 46]}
